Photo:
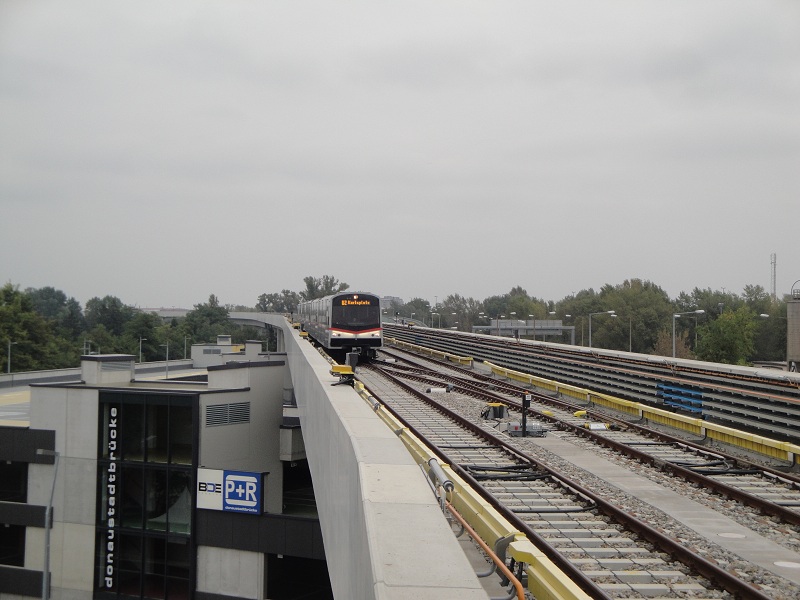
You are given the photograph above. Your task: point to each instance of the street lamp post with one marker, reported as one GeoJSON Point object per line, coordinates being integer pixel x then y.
{"type": "Point", "coordinates": [699, 311]}
{"type": "Point", "coordinates": [630, 333]}
{"type": "Point", "coordinates": [564, 318]}
{"type": "Point", "coordinates": [10, 343]}
{"type": "Point", "coordinates": [186, 337]}
{"type": "Point", "coordinates": [604, 312]}
{"type": "Point", "coordinates": [141, 339]}
{"type": "Point", "coordinates": [167, 363]}
{"type": "Point", "coordinates": [439, 319]}
{"type": "Point", "coordinates": [48, 517]}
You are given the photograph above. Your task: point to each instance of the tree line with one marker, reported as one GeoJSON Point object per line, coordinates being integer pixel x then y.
{"type": "Point", "coordinates": [44, 329]}
{"type": "Point", "coordinates": [712, 326]}
{"type": "Point", "coordinates": [47, 330]}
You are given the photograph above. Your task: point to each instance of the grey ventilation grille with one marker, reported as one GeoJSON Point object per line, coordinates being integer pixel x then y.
{"type": "Point", "coordinates": [227, 414]}
{"type": "Point", "coordinates": [115, 366]}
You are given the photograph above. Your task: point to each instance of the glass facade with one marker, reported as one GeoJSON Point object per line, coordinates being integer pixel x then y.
{"type": "Point", "coordinates": [145, 495]}
{"type": "Point", "coordinates": [13, 488]}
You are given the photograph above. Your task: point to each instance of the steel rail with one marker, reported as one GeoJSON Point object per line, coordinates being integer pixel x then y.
{"type": "Point", "coordinates": [652, 372]}
{"type": "Point", "coordinates": [645, 366]}
{"type": "Point", "coordinates": [574, 573]}
{"type": "Point", "coordinates": [768, 507]}
{"type": "Point", "coordinates": [707, 569]}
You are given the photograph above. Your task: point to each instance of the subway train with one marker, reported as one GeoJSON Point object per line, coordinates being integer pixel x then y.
{"type": "Point", "coordinates": [344, 322]}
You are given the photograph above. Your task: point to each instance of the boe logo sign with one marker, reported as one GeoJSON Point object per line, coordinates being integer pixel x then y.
{"type": "Point", "coordinates": [234, 491]}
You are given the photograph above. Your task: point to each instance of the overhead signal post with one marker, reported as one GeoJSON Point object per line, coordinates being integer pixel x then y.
{"type": "Point", "coordinates": [526, 404]}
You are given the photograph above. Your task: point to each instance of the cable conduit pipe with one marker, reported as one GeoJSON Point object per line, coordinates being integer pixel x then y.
{"type": "Point", "coordinates": [520, 591]}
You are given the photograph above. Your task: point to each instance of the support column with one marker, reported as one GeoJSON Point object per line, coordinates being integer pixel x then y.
{"type": "Point", "coordinates": [793, 330]}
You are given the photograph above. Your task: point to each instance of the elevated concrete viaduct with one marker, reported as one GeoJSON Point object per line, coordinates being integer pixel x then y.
{"type": "Point", "coordinates": [383, 531]}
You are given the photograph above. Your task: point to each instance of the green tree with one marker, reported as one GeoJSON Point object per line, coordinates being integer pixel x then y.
{"type": "Point", "coordinates": [714, 303]}
{"type": "Point", "coordinates": [47, 301]}
{"type": "Point", "coordinates": [770, 340]}
{"type": "Point", "coordinates": [421, 309]}
{"type": "Point", "coordinates": [396, 310]}
{"type": "Point", "coordinates": [32, 339]}
{"type": "Point", "coordinates": [517, 301]}
{"type": "Point", "coordinates": [319, 287]}
{"type": "Point", "coordinates": [284, 302]}
{"type": "Point", "coordinates": [102, 341]}
{"type": "Point", "coordinates": [452, 310]}
{"type": "Point", "coordinates": [757, 299]}
{"type": "Point", "coordinates": [143, 326]}
{"type": "Point", "coordinates": [109, 312]}
{"type": "Point", "coordinates": [525, 307]}
{"type": "Point", "coordinates": [494, 306]}
{"type": "Point", "coordinates": [729, 338]}
{"type": "Point", "coordinates": [203, 324]}
{"type": "Point", "coordinates": [70, 321]}
{"type": "Point", "coordinates": [642, 310]}
{"type": "Point", "coordinates": [64, 313]}
{"type": "Point", "coordinates": [174, 334]}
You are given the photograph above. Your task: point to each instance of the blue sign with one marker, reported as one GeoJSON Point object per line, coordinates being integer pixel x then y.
{"type": "Point", "coordinates": [241, 492]}
{"type": "Point", "coordinates": [235, 491]}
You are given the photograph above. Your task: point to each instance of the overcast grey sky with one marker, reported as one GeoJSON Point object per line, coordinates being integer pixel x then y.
{"type": "Point", "coordinates": [164, 151]}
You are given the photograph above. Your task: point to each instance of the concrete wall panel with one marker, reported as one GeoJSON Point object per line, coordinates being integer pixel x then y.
{"type": "Point", "coordinates": [230, 572]}
{"type": "Point", "coordinates": [253, 446]}
{"type": "Point", "coordinates": [81, 423]}
{"type": "Point", "coordinates": [71, 544]}
{"type": "Point", "coordinates": [76, 491]}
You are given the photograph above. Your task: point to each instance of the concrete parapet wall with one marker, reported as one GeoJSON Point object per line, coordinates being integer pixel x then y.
{"type": "Point", "coordinates": [384, 534]}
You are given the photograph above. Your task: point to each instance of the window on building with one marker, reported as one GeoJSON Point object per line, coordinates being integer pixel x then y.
{"type": "Point", "coordinates": [13, 482]}
{"type": "Point", "coordinates": [13, 488]}
{"type": "Point", "coordinates": [12, 545]}
{"type": "Point", "coordinates": [145, 495]}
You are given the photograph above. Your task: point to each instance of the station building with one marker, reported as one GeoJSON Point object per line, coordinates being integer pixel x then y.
{"type": "Point", "coordinates": [174, 489]}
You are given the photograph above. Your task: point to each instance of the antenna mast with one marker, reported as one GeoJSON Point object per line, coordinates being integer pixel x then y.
{"type": "Point", "coordinates": [774, 263]}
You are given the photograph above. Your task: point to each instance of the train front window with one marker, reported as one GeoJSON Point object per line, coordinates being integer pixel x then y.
{"type": "Point", "coordinates": [356, 317]}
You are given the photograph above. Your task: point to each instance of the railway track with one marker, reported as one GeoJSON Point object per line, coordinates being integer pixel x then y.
{"type": "Point", "coordinates": [607, 551]}
{"type": "Point", "coordinates": [762, 402]}
{"type": "Point", "coordinates": [768, 490]}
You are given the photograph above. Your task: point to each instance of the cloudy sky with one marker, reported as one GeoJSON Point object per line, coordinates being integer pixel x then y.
{"type": "Point", "coordinates": [164, 151]}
